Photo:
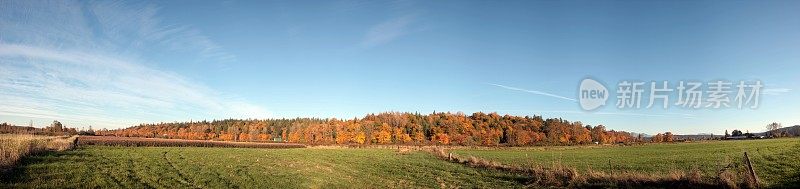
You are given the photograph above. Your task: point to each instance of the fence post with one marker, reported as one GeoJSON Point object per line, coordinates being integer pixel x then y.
{"type": "Point", "coordinates": [750, 169]}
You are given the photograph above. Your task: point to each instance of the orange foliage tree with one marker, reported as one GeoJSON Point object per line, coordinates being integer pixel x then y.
{"type": "Point", "coordinates": [389, 128]}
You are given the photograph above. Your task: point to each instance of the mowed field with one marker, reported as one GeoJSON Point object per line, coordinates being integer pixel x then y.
{"type": "Point", "coordinates": [198, 167]}
{"type": "Point", "coordinates": [776, 162]}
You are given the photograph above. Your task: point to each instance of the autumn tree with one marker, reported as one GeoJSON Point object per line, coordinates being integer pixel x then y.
{"type": "Point", "coordinates": [56, 127]}
{"type": "Point", "coordinates": [442, 138]}
{"type": "Point", "coordinates": [522, 138]}
{"type": "Point", "coordinates": [442, 128]}
{"type": "Point", "coordinates": [360, 138]}
{"type": "Point", "coordinates": [384, 135]}
{"type": "Point", "coordinates": [598, 134]}
{"type": "Point", "coordinates": [582, 135]}
{"type": "Point", "coordinates": [668, 137]}
{"type": "Point", "coordinates": [658, 138]}
{"type": "Point", "coordinates": [400, 136]}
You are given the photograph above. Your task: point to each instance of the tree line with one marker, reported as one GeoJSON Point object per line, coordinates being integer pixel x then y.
{"type": "Point", "coordinates": [478, 129]}
{"type": "Point", "coordinates": [56, 128]}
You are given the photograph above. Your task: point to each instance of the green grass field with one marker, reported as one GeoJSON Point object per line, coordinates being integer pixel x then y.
{"type": "Point", "coordinates": [193, 167]}
{"type": "Point", "coordinates": [776, 161]}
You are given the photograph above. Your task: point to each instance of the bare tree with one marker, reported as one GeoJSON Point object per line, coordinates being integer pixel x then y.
{"type": "Point", "coordinates": [772, 128]}
{"type": "Point", "coordinates": [56, 127]}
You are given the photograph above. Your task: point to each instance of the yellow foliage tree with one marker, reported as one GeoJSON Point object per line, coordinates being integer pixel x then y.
{"type": "Point", "coordinates": [360, 138]}
{"type": "Point", "coordinates": [384, 135]}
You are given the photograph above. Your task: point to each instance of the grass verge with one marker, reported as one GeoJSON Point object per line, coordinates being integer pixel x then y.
{"type": "Point", "coordinates": [557, 175]}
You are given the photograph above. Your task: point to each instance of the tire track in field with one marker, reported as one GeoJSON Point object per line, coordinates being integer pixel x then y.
{"type": "Point", "coordinates": [112, 176]}
{"type": "Point", "coordinates": [229, 184]}
{"type": "Point", "coordinates": [218, 176]}
{"type": "Point", "coordinates": [239, 171]}
{"type": "Point", "coordinates": [181, 177]}
{"type": "Point", "coordinates": [130, 174]}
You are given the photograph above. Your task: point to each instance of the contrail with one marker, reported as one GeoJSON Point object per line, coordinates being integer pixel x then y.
{"type": "Point", "coordinates": [534, 92]}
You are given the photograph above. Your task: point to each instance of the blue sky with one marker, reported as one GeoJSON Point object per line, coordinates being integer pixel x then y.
{"type": "Point", "coordinates": [114, 64]}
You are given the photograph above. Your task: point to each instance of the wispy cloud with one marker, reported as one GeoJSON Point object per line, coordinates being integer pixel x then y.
{"type": "Point", "coordinates": [670, 115]}
{"type": "Point", "coordinates": [776, 91]}
{"type": "Point", "coordinates": [533, 92]}
{"type": "Point", "coordinates": [687, 116]}
{"type": "Point", "coordinates": [54, 84]}
{"type": "Point", "coordinates": [388, 31]}
{"type": "Point", "coordinates": [86, 64]}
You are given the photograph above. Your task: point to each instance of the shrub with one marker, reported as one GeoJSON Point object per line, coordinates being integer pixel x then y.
{"type": "Point", "coordinates": [562, 176]}
{"type": "Point", "coordinates": [15, 147]}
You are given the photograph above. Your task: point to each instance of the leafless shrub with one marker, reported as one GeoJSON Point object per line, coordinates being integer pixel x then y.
{"type": "Point", "coordinates": [558, 175]}
{"type": "Point", "coordinates": [728, 178]}
{"type": "Point", "coordinates": [439, 152]}
{"type": "Point", "coordinates": [404, 151]}
{"type": "Point", "coordinates": [695, 175]}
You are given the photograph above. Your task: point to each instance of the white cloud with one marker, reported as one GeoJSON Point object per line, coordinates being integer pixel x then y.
{"type": "Point", "coordinates": [533, 92]}
{"type": "Point", "coordinates": [48, 83]}
{"type": "Point", "coordinates": [108, 26]}
{"type": "Point", "coordinates": [682, 115]}
{"type": "Point", "coordinates": [83, 63]}
{"type": "Point", "coordinates": [687, 116]}
{"type": "Point", "coordinates": [775, 91]}
{"type": "Point", "coordinates": [388, 31]}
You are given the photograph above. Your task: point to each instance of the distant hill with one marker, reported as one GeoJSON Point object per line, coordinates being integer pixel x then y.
{"type": "Point", "coordinates": [793, 130]}
{"type": "Point", "coordinates": [644, 135]}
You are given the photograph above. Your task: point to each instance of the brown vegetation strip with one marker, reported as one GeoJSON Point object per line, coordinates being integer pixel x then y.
{"type": "Point", "coordinates": [154, 142]}
{"type": "Point", "coordinates": [15, 147]}
{"type": "Point", "coordinates": [562, 176]}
